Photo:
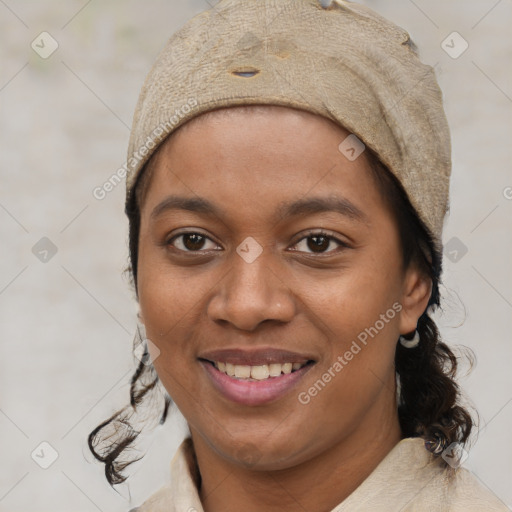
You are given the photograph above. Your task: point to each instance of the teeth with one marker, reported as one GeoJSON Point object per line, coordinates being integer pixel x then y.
{"type": "Point", "coordinates": [287, 367]}
{"type": "Point", "coordinates": [260, 372]}
{"type": "Point", "coordinates": [274, 369]}
{"type": "Point", "coordinates": [242, 372]}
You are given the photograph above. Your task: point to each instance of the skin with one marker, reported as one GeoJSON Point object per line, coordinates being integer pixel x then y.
{"type": "Point", "coordinates": [283, 455]}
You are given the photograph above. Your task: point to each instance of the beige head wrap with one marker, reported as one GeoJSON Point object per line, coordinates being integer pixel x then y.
{"type": "Point", "coordinates": [335, 58]}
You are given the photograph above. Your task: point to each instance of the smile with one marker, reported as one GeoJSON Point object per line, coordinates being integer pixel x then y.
{"type": "Point", "coordinates": [254, 385]}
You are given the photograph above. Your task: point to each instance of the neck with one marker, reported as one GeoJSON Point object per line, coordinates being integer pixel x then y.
{"type": "Point", "coordinates": [333, 474]}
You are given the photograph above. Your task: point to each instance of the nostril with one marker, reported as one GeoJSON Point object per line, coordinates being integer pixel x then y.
{"type": "Point", "coordinates": [246, 74]}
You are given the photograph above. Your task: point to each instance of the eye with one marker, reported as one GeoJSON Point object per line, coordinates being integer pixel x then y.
{"type": "Point", "coordinates": [318, 242]}
{"type": "Point", "coordinates": [315, 242]}
{"type": "Point", "coordinates": [191, 242]}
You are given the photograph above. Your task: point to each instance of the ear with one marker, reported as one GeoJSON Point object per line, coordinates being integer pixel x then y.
{"type": "Point", "coordinates": [417, 289]}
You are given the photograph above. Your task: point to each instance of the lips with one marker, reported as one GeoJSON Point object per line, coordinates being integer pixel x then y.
{"type": "Point", "coordinates": [243, 388]}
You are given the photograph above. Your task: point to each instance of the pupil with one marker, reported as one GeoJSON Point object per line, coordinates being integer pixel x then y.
{"type": "Point", "coordinates": [193, 242]}
{"type": "Point", "coordinates": [319, 242]}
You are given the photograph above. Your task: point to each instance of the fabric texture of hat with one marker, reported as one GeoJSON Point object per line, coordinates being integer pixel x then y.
{"type": "Point", "coordinates": [333, 58]}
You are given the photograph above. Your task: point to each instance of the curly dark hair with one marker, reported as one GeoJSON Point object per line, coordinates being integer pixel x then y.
{"type": "Point", "coordinates": [429, 404]}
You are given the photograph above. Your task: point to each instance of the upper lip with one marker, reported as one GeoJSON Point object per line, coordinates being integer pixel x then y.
{"type": "Point", "coordinates": [255, 356]}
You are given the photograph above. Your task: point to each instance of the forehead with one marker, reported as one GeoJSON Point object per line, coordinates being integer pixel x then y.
{"type": "Point", "coordinates": [261, 153]}
{"type": "Point", "coordinates": [266, 117]}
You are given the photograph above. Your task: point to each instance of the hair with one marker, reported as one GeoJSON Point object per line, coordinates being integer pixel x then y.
{"type": "Point", "coordinates": [429, 404]}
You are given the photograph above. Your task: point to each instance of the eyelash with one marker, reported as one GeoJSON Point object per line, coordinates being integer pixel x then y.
{"type": "Point", "coordinates": [310, 234]}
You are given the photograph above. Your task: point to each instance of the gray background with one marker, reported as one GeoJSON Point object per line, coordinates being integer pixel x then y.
{"type": "Point", "coordinates": [67, 323]}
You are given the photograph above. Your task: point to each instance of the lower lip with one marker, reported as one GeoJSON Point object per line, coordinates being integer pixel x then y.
{"type": "Point", "coordinates": [249, 392]}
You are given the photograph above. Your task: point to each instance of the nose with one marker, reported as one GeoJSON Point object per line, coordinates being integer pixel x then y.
{"type": "Point", "coordinates": [250, 294]}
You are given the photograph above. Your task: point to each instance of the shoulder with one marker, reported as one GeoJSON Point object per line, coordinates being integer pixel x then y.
{"type": "Point", "coordinates": [440, 486]}
{"type": "Point", "coordinates": [158, 502]}
{"type": "Point", "coordinates": [180, 493]}
{"type": "Point", "coordinates": [466, 492]}
{"type": "Point", "coordinates": [411, 479]}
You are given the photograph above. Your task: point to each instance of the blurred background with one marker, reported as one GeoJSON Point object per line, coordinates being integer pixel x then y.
{"type": "Point", "coordinates": [70, 75]}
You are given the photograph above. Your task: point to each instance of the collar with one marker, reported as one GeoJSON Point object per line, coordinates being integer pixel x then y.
{"type": "Point", "coordinates": [409, 479]}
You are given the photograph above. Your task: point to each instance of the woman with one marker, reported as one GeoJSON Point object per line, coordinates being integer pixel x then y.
{"type": "Point", "coordinates": [289, 174]}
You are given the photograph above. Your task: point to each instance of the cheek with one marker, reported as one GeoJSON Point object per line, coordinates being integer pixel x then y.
{"type": "Point", "coordinates": [358, 311]}
{"type": "Point", "coordinates": [166, 293]}
{"type": "Point", "coordinates": [173, 301]}
{"type": "Point", "coordinates": [169, 306]}
{"type": "Point", "coordinates": [166, 302]}
{"type": "Point", "coordinates": [352, 298]}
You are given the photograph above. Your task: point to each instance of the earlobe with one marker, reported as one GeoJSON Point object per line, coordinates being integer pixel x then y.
{"type": "Point", "coordinates": [417, 291]}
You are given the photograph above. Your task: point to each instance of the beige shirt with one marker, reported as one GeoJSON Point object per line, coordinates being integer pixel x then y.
{"type": "Point", "coordinates": [408, 479]}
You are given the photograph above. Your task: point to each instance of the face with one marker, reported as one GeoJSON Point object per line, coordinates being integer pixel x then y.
{"type": "Point", "coordinates": [263, 249]}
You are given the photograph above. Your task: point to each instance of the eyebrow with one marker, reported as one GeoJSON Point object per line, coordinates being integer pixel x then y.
{"type": "Point", "coordinates": [285, 210]}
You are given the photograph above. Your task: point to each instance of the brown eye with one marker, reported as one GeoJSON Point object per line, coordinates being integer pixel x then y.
{"type": "Point", "coordinates": [319, 243]}
{"type": "Point", "coordinates": [191, 242]}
